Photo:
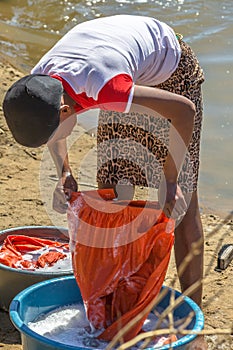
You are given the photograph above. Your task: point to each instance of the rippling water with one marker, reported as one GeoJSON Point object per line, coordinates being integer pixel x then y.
{"type": "Point", "coordinates": [28, 28]}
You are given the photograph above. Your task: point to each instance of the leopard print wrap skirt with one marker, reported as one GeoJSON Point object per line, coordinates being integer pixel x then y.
{"type": "Point", "coordinates": [132, 147]}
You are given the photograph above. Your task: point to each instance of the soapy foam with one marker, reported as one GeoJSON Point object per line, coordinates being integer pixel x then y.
{"type": "Point", "coordinates": [68, 325]}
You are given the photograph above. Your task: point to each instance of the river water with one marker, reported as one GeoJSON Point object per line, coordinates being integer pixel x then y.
{"type": "Point", "coordinates": [28, 28]}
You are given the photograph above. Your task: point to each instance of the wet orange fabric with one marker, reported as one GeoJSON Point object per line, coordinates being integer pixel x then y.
{"type": "Point", "coordinates": [120, 257]}
{"type": "Point", "coordinates": [15, 246]}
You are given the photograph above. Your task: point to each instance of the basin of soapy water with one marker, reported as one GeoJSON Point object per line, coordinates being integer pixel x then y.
{"type": "Point", "coordinates": [51, 312]}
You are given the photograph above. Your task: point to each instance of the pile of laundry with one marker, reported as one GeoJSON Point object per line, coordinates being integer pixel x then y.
{"type": "Point", "coordinates": [31, 253]}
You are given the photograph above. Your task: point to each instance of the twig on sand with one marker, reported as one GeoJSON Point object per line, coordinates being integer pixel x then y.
{"type": "Point", "coordinates": [30, 154]}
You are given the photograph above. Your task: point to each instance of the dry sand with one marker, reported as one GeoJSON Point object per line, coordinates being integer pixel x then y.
{"type": "Point", "coordinates": [21, 204]}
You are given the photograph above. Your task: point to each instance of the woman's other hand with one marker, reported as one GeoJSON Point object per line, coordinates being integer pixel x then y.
{"type": "Point", "coordinates": [172, 200]}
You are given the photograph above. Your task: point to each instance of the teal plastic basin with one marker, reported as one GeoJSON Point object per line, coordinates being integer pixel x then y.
{"type": "Point", "coordinates": [46, 296]}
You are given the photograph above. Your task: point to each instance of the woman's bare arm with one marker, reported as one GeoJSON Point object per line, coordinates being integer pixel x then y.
{"type": "Point", "coordinates": [180, 111]}
{"type": "Point", "coordinates": [58, 149]}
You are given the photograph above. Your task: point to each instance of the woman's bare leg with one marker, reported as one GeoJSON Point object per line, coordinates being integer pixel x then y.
{"type": "Point", "coordinates": [186, 233]}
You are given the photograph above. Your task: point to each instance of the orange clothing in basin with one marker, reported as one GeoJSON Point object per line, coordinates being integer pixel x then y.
{"type": "Point", "coordinates": [14, 248]}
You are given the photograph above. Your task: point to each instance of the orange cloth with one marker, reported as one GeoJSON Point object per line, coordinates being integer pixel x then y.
{"type": "Point", "coordinates": [15, 246]}
{"type": "Point", "coordinates": [120, 259]}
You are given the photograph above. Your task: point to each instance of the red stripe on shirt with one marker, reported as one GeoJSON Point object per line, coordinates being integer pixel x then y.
{"type": "Point", "coordinates": [113, 96]}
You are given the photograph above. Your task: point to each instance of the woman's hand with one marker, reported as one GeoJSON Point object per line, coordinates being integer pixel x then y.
{"type": "Point", "coordinates": [172, 200]}
{"type": "Point", "coordinates": [65, 186]}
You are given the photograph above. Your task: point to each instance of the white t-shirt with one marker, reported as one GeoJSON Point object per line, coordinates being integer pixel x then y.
{"type": "Point", "coordinates": [89, 56]}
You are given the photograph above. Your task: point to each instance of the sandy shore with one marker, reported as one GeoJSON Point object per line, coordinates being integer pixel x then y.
{"type": "Point", "coordinates": [21, 204]}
